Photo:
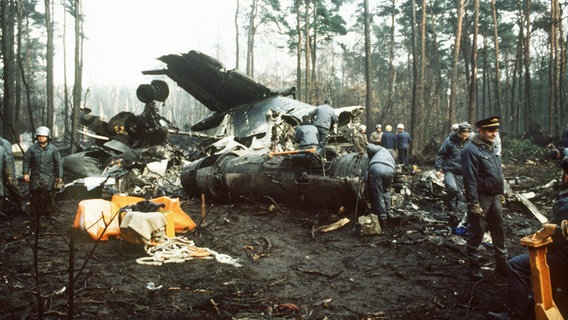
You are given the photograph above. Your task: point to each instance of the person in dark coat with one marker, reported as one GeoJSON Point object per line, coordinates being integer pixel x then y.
{"type": "Point", "coordinates": [43, 169]}
{"type": "Point", "coordinates": [484, 187]}
{"type": "Point", "coordinates": [306, 134]}
{"type": "Point", "coordinates": [324, 118]}
{"type": "Point", "coordinates": [520, 302]}
{"type": "Point", "coordinates": [380, 177]}
{"type": "Point", "coordinates": [10, 183]}
{"type": "Point", "coordinates": [403, 142]}
{"type": "Point", "coordinates": [448, 163]}
{"type": "Point", "coordinates": [388, 140]}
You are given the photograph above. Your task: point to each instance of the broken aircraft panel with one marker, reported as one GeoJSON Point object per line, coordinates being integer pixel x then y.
{"type": "Point", "coordinates": [256, 123]}
{"type": "Point", "coordinates": [261, 121]}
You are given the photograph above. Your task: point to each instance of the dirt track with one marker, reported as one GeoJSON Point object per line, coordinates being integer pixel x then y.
{"type": "Point", "coordinates": [414, 270]}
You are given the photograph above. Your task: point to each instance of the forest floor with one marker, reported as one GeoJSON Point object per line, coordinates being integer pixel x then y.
{"type": "Point", "coordinates": [416, 269]}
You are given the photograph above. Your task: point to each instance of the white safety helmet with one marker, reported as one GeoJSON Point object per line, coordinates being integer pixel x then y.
{"type": "Point", "coordinates": [362, 128]}
{"type": "Point", "coordinates": [400, 126]}
{"type": "Point", "coordinates": [455, 127]}
{"type": "Point", "coordinates": [42, 131]}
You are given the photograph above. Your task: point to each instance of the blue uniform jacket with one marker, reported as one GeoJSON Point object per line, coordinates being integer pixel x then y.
{"type": "Point", "coordinates": [388, 140]}
{"type": "Point", "coordinates": [449, 155]}
{"type": "Point", "coordinates": [403, 140]}
{"type": "Point", "coordinates": [481, 170]}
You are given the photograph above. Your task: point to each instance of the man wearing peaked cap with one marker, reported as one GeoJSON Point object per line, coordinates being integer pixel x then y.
{"type": "Point", "coordinates": [491, 122]}
{"type": "Point", "coordinates": [484, 186]}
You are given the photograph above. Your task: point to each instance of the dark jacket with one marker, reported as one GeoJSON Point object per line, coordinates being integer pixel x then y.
{"type": "Point", "coordinates": [378, 154]}
{"type": "Point", "coordinates": [559, 213]}
{"type": "Point", "coordinates": [5, 166]}
{"type": "Point", "coordinates": [403, 140]}
{"type": "Point", "coordinates": [449, 155]}
{"type": "Point", "coordinates": [43, 165]}
{"type": "Point", "coordinates": [388, 140]}
{"type": "Point", "coordinates": [324, 116]}
{"type": "Point", "coordinates": [481, 170]}
{"type": "Point", "coordinates": [306, 136]}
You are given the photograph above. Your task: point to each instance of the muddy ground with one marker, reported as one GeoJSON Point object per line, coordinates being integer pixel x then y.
{"type": "Point", "coordinates": [414, 270]}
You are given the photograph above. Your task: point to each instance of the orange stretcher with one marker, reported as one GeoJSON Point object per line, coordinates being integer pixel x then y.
{"type": "Point", "coordinates": [100, 219]}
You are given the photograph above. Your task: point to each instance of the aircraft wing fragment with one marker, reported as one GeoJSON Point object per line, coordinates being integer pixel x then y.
{"type": "Point", "coordinates": [207, 80]}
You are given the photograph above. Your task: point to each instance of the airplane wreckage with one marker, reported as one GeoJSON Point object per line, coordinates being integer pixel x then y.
{"type": "Point", "coordinates": [255, 158]}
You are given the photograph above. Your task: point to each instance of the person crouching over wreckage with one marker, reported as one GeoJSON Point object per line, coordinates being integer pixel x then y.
{"type": "Point", "coordinates": [43, 169]}
{"type": "Point", "coordinates": [381, 174]}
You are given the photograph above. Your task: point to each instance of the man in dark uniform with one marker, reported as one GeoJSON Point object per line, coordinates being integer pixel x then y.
{"type": "Point", "coordinates": [520, 303]}
{"type": "Point", "coordinates": [484, 186]}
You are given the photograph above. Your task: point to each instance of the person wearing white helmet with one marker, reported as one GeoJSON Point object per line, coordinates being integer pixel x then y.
{"type": "Point", "coordinates": [376, 135]}
{"type": "Point", "coordinates": [403, 142]}
{"type": "Point", "coordinates": [43, 169]}
{"type": "Point", "coordinates": [360, 139]}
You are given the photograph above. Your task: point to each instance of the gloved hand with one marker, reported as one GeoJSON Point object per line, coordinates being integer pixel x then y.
{"type": "Point", "coordinates": [502, 199]}
{"type": "Point", "coordinates": [475, 210]}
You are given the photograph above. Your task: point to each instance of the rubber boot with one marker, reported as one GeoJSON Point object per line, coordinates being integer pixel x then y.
{"type": "Point", "coordinates": [475, 270]}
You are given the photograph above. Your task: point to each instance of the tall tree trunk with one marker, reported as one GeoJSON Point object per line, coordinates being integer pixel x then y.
{"type": "Point", "coordinates": [237, 48]}
{"type": "Point", "coordinates": [368, 80]}
{"type": "Point", "coordinates": [392, 69]}
{"type": "Point", "coordinates": [299, 90]}
{"type": "Point", "coordinates": [554, 71]}
{"type": "Point", "coordinates": [455, 65]}
{"type": "Point", "coordinates": [527, 64]}
{"type": "Point", "coordinates": [415, 80]}
{"type": "Point", "coordinates": [472, 107]}
{"type": "Point", "coordinates": [77, 85]}
{"type": "Point", "coordinates": [497, 84]}
{"type": "Point", "coordinates": [66, 104]}
{"type": "Point", "coordinates": [250, 38]}
{"type": "Point", "coordinates": [561, 71]}
{"type": "Point", "coordinates": [49, 65]}
{"type": "Point", "coordinates": [308, 53]}
{"type": "Point", "coordinates": [9, 61]}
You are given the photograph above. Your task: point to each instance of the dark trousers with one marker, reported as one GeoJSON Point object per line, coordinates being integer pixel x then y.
{"type": "Point", "coordinates": [42, 203]}
{"type": "Point", "coordinates": [492, 222]}
{"type": "Point", "coordinates": [454, 188]}
{"type": "Point", "coordinates": [380, 180]}
{"type": "Point", "coordinates": [403, 156]}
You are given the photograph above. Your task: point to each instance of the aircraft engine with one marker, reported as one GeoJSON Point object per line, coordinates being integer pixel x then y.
{"type": "Point", "coordinates": [297, 180]}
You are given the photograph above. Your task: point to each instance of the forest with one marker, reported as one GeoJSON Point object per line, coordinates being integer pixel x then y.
{"type": "Point", "coordinates": [427, 64]}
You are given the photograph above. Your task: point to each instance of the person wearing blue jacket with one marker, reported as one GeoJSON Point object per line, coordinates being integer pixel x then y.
{"type": "Point", "coordinates": [388, 140]}
{"type": "Point", "coordinates": [448, 163]}
{"type": "Point", "coordinates": [484, 187]}
{"type": "Point", "coordinates": [306, 134]}
{"type": "Point", "coordinates": [380, 177]}
{"type": "Point", "coordinates": [324, 118]}
{"type": "Point", "coordinates": [403, 142]}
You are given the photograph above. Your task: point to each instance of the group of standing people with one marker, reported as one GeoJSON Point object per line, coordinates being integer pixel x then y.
{"type": "Point", "coordinates": [42, 168]}
{"type": "Point", "coordinates": [400, 141]}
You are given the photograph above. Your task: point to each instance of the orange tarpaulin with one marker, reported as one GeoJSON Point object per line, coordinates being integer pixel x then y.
{"type": "Point", "coordinates": [94, 214]}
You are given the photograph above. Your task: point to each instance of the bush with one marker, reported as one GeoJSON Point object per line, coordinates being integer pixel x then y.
{"type": "Point", "coordinates": [522, 150]}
